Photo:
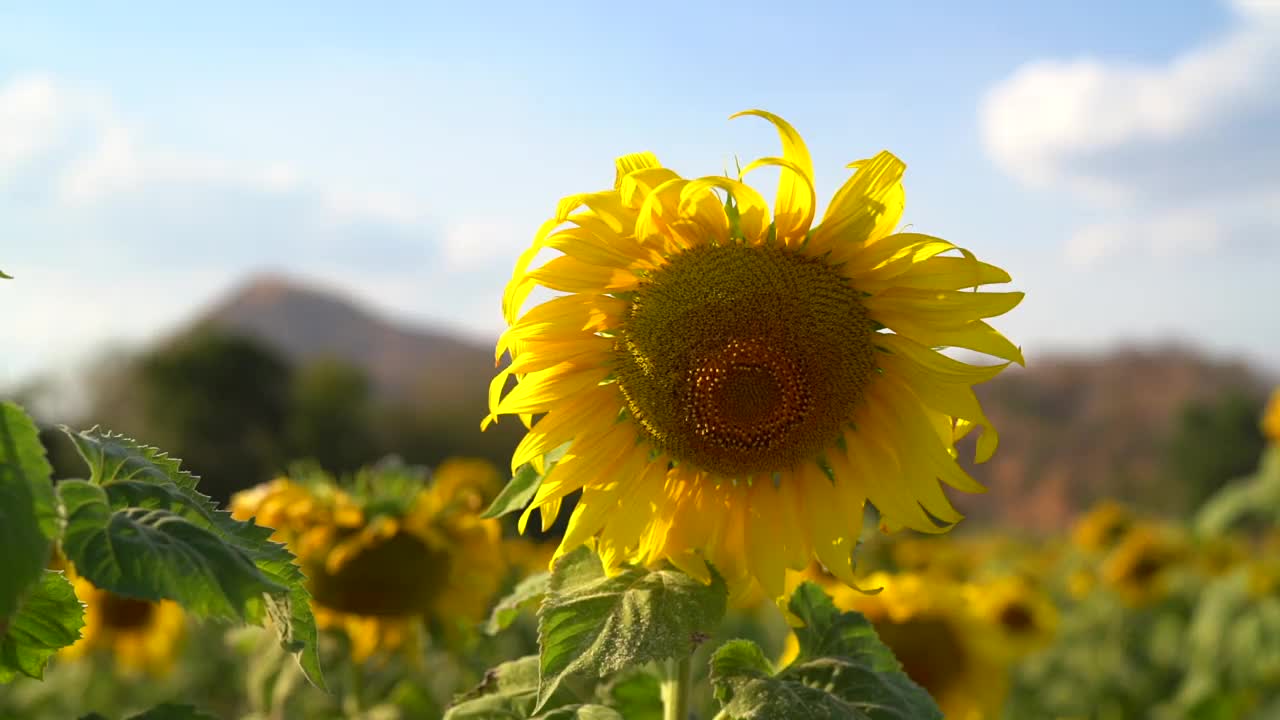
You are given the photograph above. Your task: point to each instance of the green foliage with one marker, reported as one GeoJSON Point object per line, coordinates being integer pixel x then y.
{"type": "Point", "coordinates": [842, 671]}
{"type": "Point", "coordinates": [168, 711]}
{"type": "Point", "coordinates": [510, 691]}
{"type": "Point", "coordinates": [5, 277]}
{"type": "Point", "coordinates": [1253, 498]}
{"type": "Point", "coordinates": [331, 418]}
{"type": "Point", "coordinates": [523, 486]}
{"type": "Point", "coordinates": [221, 402]}
{"type": "Point", "coordinates": [155, 555]}
{"type": "Point", "coordinates": [26, 507]}
{"type": "Point", "coordinates": [49, 618]}
{"type": "Point", "coordinates": [526, 594]}
{"type": "Point", "coordinates": [594, 625]}
{"type": "Point", "coordinates": [636, 695]}
{"type": "Point", "coordinates": [1214, 442]}
{"type": "Point", "coordinates": [140, 497]}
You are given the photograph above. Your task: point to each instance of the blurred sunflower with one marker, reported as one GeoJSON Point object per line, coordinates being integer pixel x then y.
{"type": "Point", "coordinates": [1271, 418]}
{"type": "Point", "coordinates": [390, 552]}
{"type": "Point", "coordinates": [142, 636]}
{"type": "Point", "coordinates": [1102, 527]}
{"type": "Point", "coordinates": [1139, 567]}
{"type": "Point", "coordinates": [1022, 617]}
{"type": "Point", "coordinates": [741, 385]}
{"type": "Point", "coordinates": [927, 623]}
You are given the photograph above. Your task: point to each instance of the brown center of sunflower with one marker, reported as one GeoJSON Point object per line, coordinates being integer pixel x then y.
{"type": "Point", "coordinates": [122, 613]}
{"type": "Point", "coordinates": [1017, 618]}
{"type": "Point", "coordinates": [744, 360]}
{"type": "Point", "coordinates": [398, 576]}
{"type": "Point", "coordinates": [931, 652]}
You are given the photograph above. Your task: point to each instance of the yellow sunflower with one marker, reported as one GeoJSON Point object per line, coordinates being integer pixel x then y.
{"type": "Point", "coordinates": [1271, 418]}
{"type": "Point", "coordinates": [142, 636]}
{"type": "Point", "coordinates": [1021, 616]}
{"type": "Point", "coordinates": [1139, 567]}
{"type": "Point", "coordinates": [390, 552]}
{"type": "Point", "coordinates": [927, 622]}
{"type": "Point", "coordinates": [1102, 527]}
{"type": "Point", "coordinates": [736, 387]}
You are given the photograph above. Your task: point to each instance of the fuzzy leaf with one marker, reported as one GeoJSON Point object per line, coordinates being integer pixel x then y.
{"type": "Point", "coordinates": [594, 625]}
{"type": "Point", "coordinates": [49, 619]}
{"type": "Point", "coordinates": [26, 507]}
{"type": "Point", "coordinates": [856, 677]}
{"type": "Point", "coordinates": [135, 475]}
{"type": "Point", "coordinates": [527, 593]}
{"type": "Point", "coordinates": [155, 555]}
{"type": "Point", "coordinates": [508, 691]}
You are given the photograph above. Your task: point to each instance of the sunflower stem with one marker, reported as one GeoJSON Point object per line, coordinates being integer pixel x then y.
{"type": "Point", "coordinates": [676, 685]}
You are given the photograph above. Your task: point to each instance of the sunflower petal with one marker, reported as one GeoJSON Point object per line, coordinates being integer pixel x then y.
{"type": "Point", "coordinates": [793, 209]}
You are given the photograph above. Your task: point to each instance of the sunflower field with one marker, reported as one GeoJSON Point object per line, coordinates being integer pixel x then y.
{"type": "Point", "coordinates": [742, 423]}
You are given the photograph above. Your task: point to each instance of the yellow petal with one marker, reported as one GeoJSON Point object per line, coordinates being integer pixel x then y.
{"type": "Point", "coordinates": [793, 209]}
{"type": "Point", "coordinates": [977, 336]}
{"type": "Point", "coordinates": [569, 274]}
{"type": "Point", "coordinates": [536, 392]}
{"type": "Point", "coordinates": [753, 213]}
{"type": "Point", "coordinates": [935, 273]}
{"type": "Point", "coordinates": [587, 414]}
{"type": "Point", "coordinates": [564, 318]}
{"type": "Point", "coordinates": [865, 209]}
{"type": "Point", "coordinates": [633, 162]}
{"type": "Point", "coordinates": [943, 308]}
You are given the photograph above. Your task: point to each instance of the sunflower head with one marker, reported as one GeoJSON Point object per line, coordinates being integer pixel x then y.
{"type": "Point", "coordinates": [1271, 418]}
{"type": "Point", "coordinates": [141, 636]}
{"type": "Point", "coordinates": [743, 382]}
{"type": "Point", "coordinates": [1020, 615]}
{"type": "Point", "coordinates": [1139, 567]}
{"type": "Point", "coordinates": [390, 549]}
{"type": "Point", "coordinates": [1102, 527]}
{"type": "Point", "coordinates": [929, 625]}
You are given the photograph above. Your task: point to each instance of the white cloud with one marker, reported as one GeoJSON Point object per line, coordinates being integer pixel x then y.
{"type": "Point", "coordinates": [29, 110]}
{"type": "Point", "coordinates": [473, 243]}
{"type": "Point", "coordinates": [1164, 147]}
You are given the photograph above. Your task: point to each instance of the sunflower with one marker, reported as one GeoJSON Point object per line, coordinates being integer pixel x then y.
{"type": "Point", "coordinates": [928, 624]}
{"type": "Point", "coordinates": [141, 635]}
{"type": "Point", "coordinates": [1140, 566]}
{"type": "Point", "coordinates": [390, 552]}
{"type": "Point", "coordinates": [1102, 527]}
{"type": "Point", "coordinates": [1021, 616]}
{"type": "Point", "coordinates": [1271, 418]}
{"type": "Point", "coordinates": [733, 388]}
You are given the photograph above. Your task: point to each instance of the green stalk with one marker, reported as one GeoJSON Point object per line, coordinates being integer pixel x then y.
{"type": "Point", "coordinates": [676, 686]}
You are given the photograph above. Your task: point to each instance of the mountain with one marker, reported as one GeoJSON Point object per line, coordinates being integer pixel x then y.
{"type": "Point", "coordinates": [304, 323]}
{"type": "Point", "coordinates": [1073, 429]}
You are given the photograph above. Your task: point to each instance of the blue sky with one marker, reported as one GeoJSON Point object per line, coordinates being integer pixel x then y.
{"type": "Point", "coordinates": [1120, 159]}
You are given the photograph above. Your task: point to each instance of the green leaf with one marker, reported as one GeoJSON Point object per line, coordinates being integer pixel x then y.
{"type": "Point", "coordinates": [507, 691]}
{"type": "Point", "coordinates": [523, 486]}
{"type": "Point", "coordinates": [636, 695]}
{"type": "Point", "coordinates": [527, 593]}
{"type": "Point", "coordinates": [738, 659]}
{"type": "Point", "coordinates": [594, 625]}
{"type": "Point", "coordinates": [135, 475]}
{"type": "Point", "coordinates": [843, 671]}
{"type": "Point", "coordinates": [173, 711]}
{"type": "Point", "coordinates": [582, 712]}
{"type": "Point", "coordinates": [49, 619]}
{"type": "Point", "coordinates": [26, 507]}
{"type": "Point", "coordinates": [5, 277]}
{"type": "Point", "coordinates": [156, 554]}
{"type": "Point", "coordinates": [167, 711]}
